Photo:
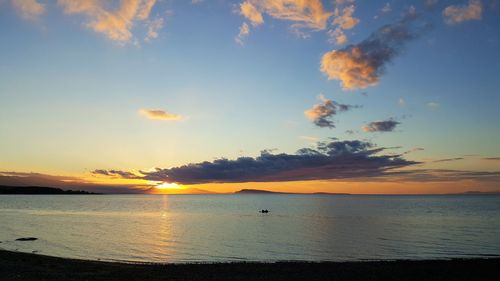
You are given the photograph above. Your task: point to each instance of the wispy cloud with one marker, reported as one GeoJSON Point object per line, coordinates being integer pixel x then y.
{"type": "Point", "coordinates": [492, 159]}
{"type": "Point", "coordinates": [360, 65]}
{"type": "Point", "coordinates": [308, 14]}
{"type": "Point", "coordinates": [343, 20]}
{"type": "Point", "coordinates": [249, 11]}
{"type": "Point", "coordinates": [443, 175]}
{"type": "Point", "coordinates": [456, 14]}
{"type": "Point", "coordinates": [343, 17]}
{"type": "Point", "coordinates": [433, 105]}
{"type": "Point", "coordinates": [310, 139]}
{"type": "Point", "coordinates": [153, 27]}
{"type": "Point", "coordinates": [28, 9]}
{"type": "Point", "coordinates": [322, 113]}
{"type": "Point", "coordinates": [157, 114]}
{"type": "Point", "coordinates": [381, 126]}
{"type": "Point", "coordinates": [430, 3]}
{"type": "Point", "coordinates": [448, 159]}
{"type": "Point", "coordinates": [244, 31]}
{"type": "Point", "coordinates": [415, 149]}
{"type": "Point", "coordinates": [303, 15]}
{"type": "Point", "coordinates": [387, 8]}
{"type": "Point", "coordinates": [115, 173]}
{"type": "Point", "coordinates": [115, 24]}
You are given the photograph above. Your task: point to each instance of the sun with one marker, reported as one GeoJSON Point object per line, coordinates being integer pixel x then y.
{"type": "Point", "coordinates": [168, 185]}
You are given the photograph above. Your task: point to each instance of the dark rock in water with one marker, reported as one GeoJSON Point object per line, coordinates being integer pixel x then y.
{"type": "Point", "coordinates": [27, 239]}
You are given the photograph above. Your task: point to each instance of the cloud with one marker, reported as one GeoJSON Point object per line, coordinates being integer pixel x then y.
{"type": "Point", "coordinates": [145, 8]}
{"type": "Point", "coordinates": [360, 65]}
{"type": "Point", "coordinates": [443, 175]}
{"type": "Point", "coordinates": [343, 20]}
{"type": "Point", "coordinates": [432, 105]}
{"type": "Point", "coordinates": [322, 113]}
{"type": "Point", "coordinates": [115, 24]}
{"type": "Point", "coordinates": [456, 14]}
{"type": "Point", "coordinates": [349, 160]}
{"type": "Point", "coordinates": [381, 126]}
{"type": "Point", "coordinates": [448, 159]}
{"type": "Point", "coordinates": [115, 173]}
{"type": "Point", "coordinates": [387, 8]}
{"type": "Point", "coordinates": [413, 150]}
{"type": "Point", "coordinates": [337, 36]}
{"type": "Point", "coordinates": [28, 9]}
{"type": "Point", "coordinates": [430, 3]}
{"type": "Point", "coordinates": [244, 31]}
{"type": "Point", "coordinates": [153, 28]}
{"type": "Point", "coordinates": [310, 139]}
{"type": "Point", "coordinates": [343, 17]}
{"type": "Point", "coordinates": [333, 160]}
{"type": "Point", "coordinates": [310, 14]}
{"type": "Point", "coordinates": [249, 11]}
{"type": "Point", "coordinates": [492, 158]}
{"type": "Point", "coordinates": [157, 114]}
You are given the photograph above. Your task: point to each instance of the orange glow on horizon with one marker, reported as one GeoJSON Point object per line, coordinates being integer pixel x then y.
{"type": "Point", "coordinates": [168, 185]}
{"type": "Point", "coordinates": [312, 186]}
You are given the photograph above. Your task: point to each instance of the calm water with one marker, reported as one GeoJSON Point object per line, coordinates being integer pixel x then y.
{"type": "Point", "coordinates": [183, 228]}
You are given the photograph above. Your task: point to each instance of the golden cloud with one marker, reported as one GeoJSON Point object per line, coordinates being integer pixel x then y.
{"type": "Point", "coordinates": [337, 36]}
{"type": "Point", "coordinates": [115, 24]}
{"type": "Point", "coordinates": [28, 9]}
{"type": "Point", "coordinates": [251, 13]}
{"type": "Point", "coordinates": [344, 18]}
{"type": "Point", "coordinates": [244, 31]}
{"type": "Point", "coordinates": [157, 114]}
{"type": "Point", "coordinates": [360, 65]}
{"type": "Point", "coordinates": [456, 14]}
{"type": "Point", "coordinates": [308, 13]}
{"type": "Point", "coordinates": [350, 67]}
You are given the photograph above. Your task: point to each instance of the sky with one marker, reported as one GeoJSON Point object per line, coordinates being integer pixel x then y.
{"type": "Point", "coordinates": [198, 96]}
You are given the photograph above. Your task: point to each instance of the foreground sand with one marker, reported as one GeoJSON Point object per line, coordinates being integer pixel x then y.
{"type": "Point", "coordinates": [21, 266]}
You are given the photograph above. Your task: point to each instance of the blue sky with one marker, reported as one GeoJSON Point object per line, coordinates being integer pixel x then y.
{"type": "Point", "coordinates": [71, 95]}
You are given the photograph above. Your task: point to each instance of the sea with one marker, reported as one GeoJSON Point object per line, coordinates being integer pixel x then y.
{"type": "Point", "coordinates": [228, 228]}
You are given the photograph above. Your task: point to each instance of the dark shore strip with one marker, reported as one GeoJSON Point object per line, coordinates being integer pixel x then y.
{"type": "Point", "coordinates": [22, 266]}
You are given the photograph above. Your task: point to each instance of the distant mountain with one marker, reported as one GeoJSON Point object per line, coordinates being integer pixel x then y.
{"type": "Point", "coordinates": [476, 193]}
{"type": "Point", "coordinates": [329, 193]}
{"type": "Point", "coordinates": [260, 191]}
{"type": "Point", "coordinates": [4, 189]}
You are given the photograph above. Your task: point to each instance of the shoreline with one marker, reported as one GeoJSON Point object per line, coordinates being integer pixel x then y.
{"type": "Point", "coordinates": [26, 266]}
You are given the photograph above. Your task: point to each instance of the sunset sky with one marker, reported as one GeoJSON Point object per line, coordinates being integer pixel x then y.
{"type": "Point", "coordinates": [218, 95]}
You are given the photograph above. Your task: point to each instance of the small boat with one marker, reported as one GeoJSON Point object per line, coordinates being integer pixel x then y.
{"type": "Point", "coordinates": [264, 211]}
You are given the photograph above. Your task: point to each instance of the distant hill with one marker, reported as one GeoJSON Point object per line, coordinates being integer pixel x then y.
{"type": "Point", "coordinates": [476, 193]}
{"type": "Point", "coordinates": [329, 193]}
{"type": "Point", "coordinates": [4, 189]}
{"type": "Point", "coordinates": [260, 191]}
